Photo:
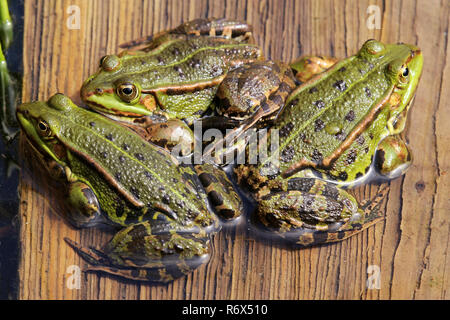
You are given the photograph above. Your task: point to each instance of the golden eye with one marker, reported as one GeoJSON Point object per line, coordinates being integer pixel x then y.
{"type": "Point", "coordinates": [43, 128]}
{"type": "Point", "coordinates": [404, 74]}
{"type": "Point", "coordinates": [127, 92]}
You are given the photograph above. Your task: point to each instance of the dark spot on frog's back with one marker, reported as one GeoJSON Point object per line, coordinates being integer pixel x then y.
{"type": "Point", "coordinates": [360, 140]}
{"type": "Point", "coordinates": [92, 124]}
{"type": "Point", "coordinates": [139, 156]}
{"type": "Point", "coordinates": [125, 147]}
{"type": "Point", "coordinates": [350, 116]}
{"type": "Point", "coordinates": [287, 154]}
{"type": "Point", "coordinates": [368, 92]}
{"type": "Point", "coordinates": [286, 129]}
{"type": "Point", "coordinates": [313, 90]}
{"type": "Point", "coordinates": [301, 184]}
{"type": "Point", "coordinates": [316, 156]}
{"type": "Point", "coordinates": [319, 104]}
{"type": "Point", "coordinates": [340, 85]}
{"type": "Point", "coordinates": [175, 51]}
{"type": "Point", "coordinates": [166, 199]}
{"type": "Point", "coordinates": [318, 125]}
{"type": "Point", "coordinates": [351, 156]}
{"type": "Point", "coordinates": [109, 136]}
{"type": "Point", "coordinates": [341, 136]}
{"type": "Point", "coordinates": [179, 70]}
{"type": "Point", "coordinates": [119, 207]}
{"type": "Point", "coordinates": [343, 176]}
{"type": "Point", "coordinates": [194, 63]}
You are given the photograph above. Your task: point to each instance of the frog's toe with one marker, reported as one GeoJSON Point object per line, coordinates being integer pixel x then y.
{"type": "Point", "coordinates": [161, 274]}
{"type": "Point", "coordinates": [91, 255]}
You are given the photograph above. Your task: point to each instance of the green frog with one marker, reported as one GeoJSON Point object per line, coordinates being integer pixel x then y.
{"type": "Point", "coordinates": [181, 74]}
{"type": "Point", "coordinates": [113, 176]}
{"type": "Point", "coordinates": [334, 126]}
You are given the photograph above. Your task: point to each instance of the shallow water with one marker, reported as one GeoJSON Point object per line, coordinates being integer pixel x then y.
{"type": "Point", "coordinates": [9, 169]}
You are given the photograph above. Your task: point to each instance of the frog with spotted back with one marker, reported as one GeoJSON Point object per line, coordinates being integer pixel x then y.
{"type": "Point", "coordinates": [180, 74]}
{"type": "Point", "coordinates": [113, 176]}
{"type": "Point", "coordinates": [334, 126]}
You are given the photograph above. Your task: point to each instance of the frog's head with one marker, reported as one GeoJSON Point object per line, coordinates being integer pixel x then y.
{"type": "Point", "coordinates": [115, 89]}
{"type": "Point", "coordinates": [40, 122]}
{"type": "Point", "coordinates": [402, 65]}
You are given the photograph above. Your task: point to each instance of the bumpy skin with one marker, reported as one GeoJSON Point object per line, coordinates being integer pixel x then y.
{"type": "Point", "coordinates": [333, 124]}
{"type": "Point", "coordinates": [177, 78]}
{"type": "Point", "coordinates": [178, 73]}
{"type": "Point", "coordinates": [115, 176]}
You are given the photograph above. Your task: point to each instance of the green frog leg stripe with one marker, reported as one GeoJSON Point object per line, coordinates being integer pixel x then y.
{"type": "Point", "coordinates": [227, 204]}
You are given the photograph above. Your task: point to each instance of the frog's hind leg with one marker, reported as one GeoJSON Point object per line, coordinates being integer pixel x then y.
{"type": "Point", "coordinates": [221, 193]}
{"type": "Point", "coordinates": [313, 212]}
{"type": "Point", "coordinates": [370, 216]}
{"type": "Point", "coordinates": [148, 253]}
{"type": "Point", "coordinates": [229, 29]}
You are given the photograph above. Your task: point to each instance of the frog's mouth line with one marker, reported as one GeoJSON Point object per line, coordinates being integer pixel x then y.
{"type": "Point", "coordinates": [111, 112]}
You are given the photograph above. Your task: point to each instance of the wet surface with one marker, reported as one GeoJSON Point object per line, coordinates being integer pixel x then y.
{"type": "Point", "coordinates": [9, 169]}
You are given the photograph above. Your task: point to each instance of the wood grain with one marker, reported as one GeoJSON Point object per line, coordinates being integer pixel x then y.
{"type": "Point", "coordinates": [411, 246]}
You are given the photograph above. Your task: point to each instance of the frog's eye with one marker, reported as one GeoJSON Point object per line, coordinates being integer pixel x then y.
{"type": "Point", "coordinates": [404, 75]}
{"type": "Point", "coordinates": [43, 128]}
{"type": "Point", "coordinates": [127, 92]}
{"type": "Point", "coordinates": [405, 72]}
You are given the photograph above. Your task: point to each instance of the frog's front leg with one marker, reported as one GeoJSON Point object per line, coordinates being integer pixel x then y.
{"type": "Point", "coordinates": [312, 211]}
{"type": "Point", "coordinates": [148, 252]}
{"type": "Point", "coordinates": [84, 207]}
{"type": "Point", "coordinates": [393, 157]}
{"type": "Point", "coordinates": [307, 67]}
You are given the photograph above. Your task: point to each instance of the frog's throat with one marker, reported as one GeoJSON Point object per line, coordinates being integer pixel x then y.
{"type": "Point", "coordinates": [327, 162]}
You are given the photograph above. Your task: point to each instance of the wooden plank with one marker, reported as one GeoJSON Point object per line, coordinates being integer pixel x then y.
{"type": "Point", "coordinates": [410, 247]}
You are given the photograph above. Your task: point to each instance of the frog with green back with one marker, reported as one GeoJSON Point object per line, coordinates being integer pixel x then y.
{"type": "Point", "coordinates": [113, 176]}
{"type": "Point", "coordinates": [332, 129]}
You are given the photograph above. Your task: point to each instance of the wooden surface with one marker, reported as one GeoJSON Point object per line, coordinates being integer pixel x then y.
{"type": "Point", "coordinates": [411, 246]}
